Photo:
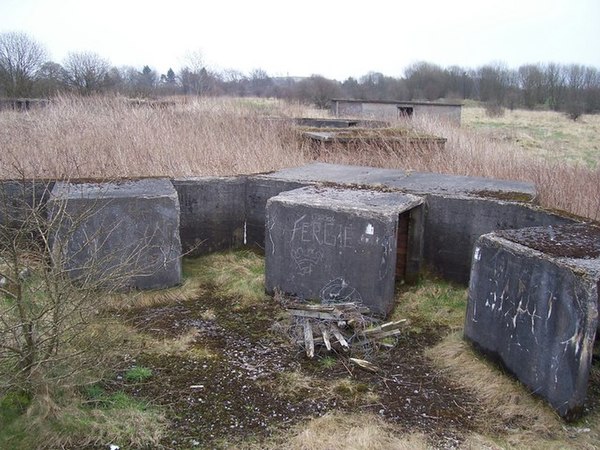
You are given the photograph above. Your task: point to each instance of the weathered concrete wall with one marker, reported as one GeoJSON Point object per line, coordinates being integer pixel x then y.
{"type": "Point", "coordinates": [451, 114]}
{"type": "Point", "coordinates": [380, 111]}
{"type": "Point", "coordinates": [213, 213]}
{"type": "Point", "coordinates": [18, 199]}
{"type": "Point", "coordinates": [259, 189]}
{"type": "Point", "coordinates": [120, 235]}
{"type": "Point", "coordinates": [459, 209]}
{"type": "Point", "coordinates": [537, 312]}
{"type": "Point", "coordinates": [453, 225]}
{"type": "Point", "coordinates": [335, 245]}
{"type": "Point", "coordinates": [341, 108]}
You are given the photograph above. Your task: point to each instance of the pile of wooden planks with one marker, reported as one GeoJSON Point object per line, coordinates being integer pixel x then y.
{"type": "Point", "coordinates": [339, 326]}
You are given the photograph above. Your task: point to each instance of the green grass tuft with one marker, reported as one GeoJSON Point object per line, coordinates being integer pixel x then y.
{"type": "Point", "coordinates": [431, 302]}
{"type": "Point", "coordinates": [138, 374]}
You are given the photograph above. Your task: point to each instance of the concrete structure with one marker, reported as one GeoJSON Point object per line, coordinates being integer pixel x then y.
{"type": "Point", "coordinates": [213, 213]}
{"type": "Point", "coordinates": [392, 110]}
{"type": "Point", "coordinates": [119, 235]}
{"type": "Point", "coordinates": [340, 245]}
{"type": "Point", "coordinates": [533, 306]}
{"type": "Point", "coordinates": [459, 209]}
{"type": "Point", "coordinates": [389, 140]}
{"type": "Point", "coordinates": [18, 199]}
{"type": "Point", "coordinates": [533, 301]}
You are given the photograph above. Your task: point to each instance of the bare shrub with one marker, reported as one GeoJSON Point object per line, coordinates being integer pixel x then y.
{"type": "Point", "coordinates": [52, 331]}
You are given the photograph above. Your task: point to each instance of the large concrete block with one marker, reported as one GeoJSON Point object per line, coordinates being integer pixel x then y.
{"type": "Point", "coordinates": [213, 213]}
{"type": "Point", "coordinates": [259, 189]}
{"type": "Point", "coordinates": [454, 223]}
{"type": "Point", "coordinates": [336, 244]}
{"type": "Point", "coordinates": [19, 198]}
{"type": "Point", "coordinates": [122, 234]}
{"type": "Point", "coordinates": [533, 306]}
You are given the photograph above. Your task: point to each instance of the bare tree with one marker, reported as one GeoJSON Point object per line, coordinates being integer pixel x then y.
{"type": "Point", "coordinates": [20, 59]}
{"type": "Point", "coordinates": [86, 72]}
{"type": "Point", "coordinates": [318, 90]}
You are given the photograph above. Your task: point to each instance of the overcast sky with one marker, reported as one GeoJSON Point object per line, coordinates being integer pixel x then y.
{"type": "Point", "coordinates": [333, 38]}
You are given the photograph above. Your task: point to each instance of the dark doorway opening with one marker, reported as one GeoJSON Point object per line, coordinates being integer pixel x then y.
{"type": "Point", "coordinates": [405, 112]}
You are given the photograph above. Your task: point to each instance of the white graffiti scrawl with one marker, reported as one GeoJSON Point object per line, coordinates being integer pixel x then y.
{"type": "Point", "coordinates": [306, 259]}
{"type": "Point", "coordinates": [339, 291]}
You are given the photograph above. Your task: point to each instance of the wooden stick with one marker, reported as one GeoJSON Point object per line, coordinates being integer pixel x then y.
{"type": "Point", "coordinates": [309, 343]}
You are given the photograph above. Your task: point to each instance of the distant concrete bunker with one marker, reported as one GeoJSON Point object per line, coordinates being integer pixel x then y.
{"type": "Point", "coordinates": [340, 245]}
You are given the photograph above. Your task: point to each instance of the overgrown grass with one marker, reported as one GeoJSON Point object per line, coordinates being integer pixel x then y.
{"type": "Point", "coordinates": [340, 431]}
{"type": "Point", "coordinates": [547, 134]}
{"type": "Point", "coordinates": [431, 302]}
{"type": "Point", "coordinates": [238, 275]}
{"type": "Point", "coordinates": [108, 138]}
{"type": "Point", "coordinates": [520, 421]}
{"type": "Point", "coordinates": [95, 418]}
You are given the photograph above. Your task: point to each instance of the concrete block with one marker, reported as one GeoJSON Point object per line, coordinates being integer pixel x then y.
{"type": "Point", "coordinates": [533, 307]}
{"type": "Point", "coordinates": [213, 213]}
{"type": "Point", "coordinates": [453, 225]}
{"type": "Point", "coordinates": [259, 189]}
{"type": "Point", "coordinates": [19, 198]}
{"type": "Point", "coordinates": [122, 234]}
{"type": "Point", "coordinates": [335, 244]}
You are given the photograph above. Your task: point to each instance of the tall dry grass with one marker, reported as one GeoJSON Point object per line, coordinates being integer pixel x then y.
{"type": "Point", "coordinates": [107, 137]}
{"type": "Point", "coordinates": [560, 185]}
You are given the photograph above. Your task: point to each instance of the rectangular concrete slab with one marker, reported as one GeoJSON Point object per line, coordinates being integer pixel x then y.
{"type": "Point", "coordinates": [533, 306]}
{"type": "Point", "coordinates": [407, 181]}
{"type": "Point", "coordinates": [122, 234]}
{"type": "Point", "coordinates": [335, 244]}
{"type": "Point", "coordinates": [213, 213]}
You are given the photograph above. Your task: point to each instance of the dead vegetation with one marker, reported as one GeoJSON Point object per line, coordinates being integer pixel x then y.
{"type": "Point", "coordinates": [106, 137]}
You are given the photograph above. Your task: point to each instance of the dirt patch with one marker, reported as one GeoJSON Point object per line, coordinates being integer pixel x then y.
{"type": "Point", "coordinates": [224, 389]}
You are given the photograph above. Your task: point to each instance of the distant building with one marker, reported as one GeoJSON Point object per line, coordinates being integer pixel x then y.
{"type": "Point", "coordinates": [388, 110]}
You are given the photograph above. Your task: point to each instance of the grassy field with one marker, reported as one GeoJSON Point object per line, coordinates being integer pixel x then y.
{"type": "Point", "coordinates": [546, 134]}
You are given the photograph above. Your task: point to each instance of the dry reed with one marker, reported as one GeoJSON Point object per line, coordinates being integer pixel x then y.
{"type": "Point", "coordinates": [107, 137]}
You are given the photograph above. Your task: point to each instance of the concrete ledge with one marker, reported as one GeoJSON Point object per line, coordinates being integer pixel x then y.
{"type": "Point", "coordinates": [335, 244]}
{"type": "Point", "coordinates": [407, 181]}
{"type": "Point", "coordinates": [119, 235]}
{"type": "Point", "coordinates": [213, 213]}
{"type": "Point", "coordinates": [533, 307]}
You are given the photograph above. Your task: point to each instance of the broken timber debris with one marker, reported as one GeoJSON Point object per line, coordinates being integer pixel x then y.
{"type": "Point", "coordinates": [348, 325]}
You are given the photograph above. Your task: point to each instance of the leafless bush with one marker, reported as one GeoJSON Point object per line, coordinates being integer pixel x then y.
{"type": "Point", "coordinates": [52, 330]}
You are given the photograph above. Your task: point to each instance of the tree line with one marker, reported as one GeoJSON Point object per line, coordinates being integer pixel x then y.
{"type": "Point", "coordinates": [26, 71]}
